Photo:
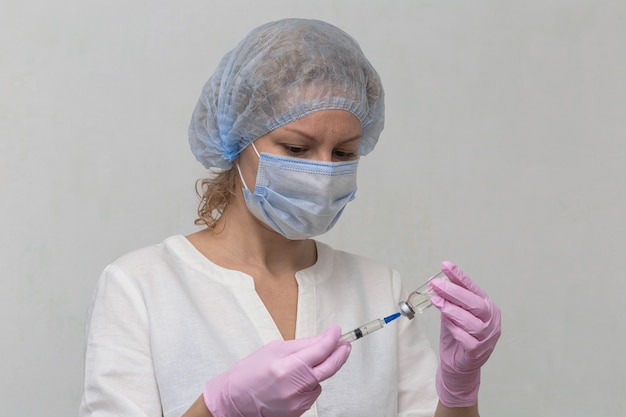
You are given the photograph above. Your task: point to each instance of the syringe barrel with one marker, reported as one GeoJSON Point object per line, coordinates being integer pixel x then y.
{"type": "Point", "coordinates": [361, 331]}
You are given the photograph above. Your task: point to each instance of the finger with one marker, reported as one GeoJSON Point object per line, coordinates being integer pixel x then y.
{"type": "Point", "coordinates": [289, 347]}
{"type": "Point", "coordinates": [461, 297]}
{"type": "Point", "coordinates": [316, 349]}
{"type": "Point", "coordinates": [333, 363]}
{"type": "Point", "coordinates": [477, 351]}
{"type": "Point", "coordinates": [456, 275]}
{"type": "Point", "coordinates": [463, 319]}
{"type": "Point", "coordinates": [466, 340]}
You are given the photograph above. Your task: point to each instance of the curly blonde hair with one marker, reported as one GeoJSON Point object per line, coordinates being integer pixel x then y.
{"type": "Point", "coordinates": [214, 193]}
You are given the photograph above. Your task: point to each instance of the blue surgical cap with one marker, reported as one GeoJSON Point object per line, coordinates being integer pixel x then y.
{"type": "Point", "coordinates": [281, 72]}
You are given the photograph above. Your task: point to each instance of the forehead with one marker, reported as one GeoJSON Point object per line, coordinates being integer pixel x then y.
{"type": "Point", "coordinates": [325, 123]}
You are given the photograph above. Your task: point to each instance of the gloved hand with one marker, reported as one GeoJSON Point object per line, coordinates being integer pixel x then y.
{"type": "Point", "coordinates": [470, 328]}
{"type": "Point", "coordinates": [281, 379]}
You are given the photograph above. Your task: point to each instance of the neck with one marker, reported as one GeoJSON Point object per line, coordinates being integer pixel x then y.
{"type": "Point", "coordinates": [241, 242]}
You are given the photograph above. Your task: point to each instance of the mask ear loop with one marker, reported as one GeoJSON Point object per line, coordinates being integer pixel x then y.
{"type": "Point", "coordinates": [255, 150]}
{"type": "Point", "coordinates": [241, 176]}
{"type": "Point", "coordinates": [239, 169]}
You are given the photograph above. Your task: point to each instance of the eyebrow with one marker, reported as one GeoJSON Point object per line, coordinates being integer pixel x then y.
{"type": "Point", "coordinates": [314, 139]}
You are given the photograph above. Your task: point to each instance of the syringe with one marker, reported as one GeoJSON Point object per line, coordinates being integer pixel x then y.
{"type": "Point", "coordinates": [418, 301]}
{"type": "Point", "coordinates": [367, 328]}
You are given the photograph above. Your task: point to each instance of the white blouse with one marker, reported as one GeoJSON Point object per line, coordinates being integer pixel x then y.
{"type": "Point", "coordinates": [165, 319]}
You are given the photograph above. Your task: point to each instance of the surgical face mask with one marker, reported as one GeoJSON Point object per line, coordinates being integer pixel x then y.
{"type": "Point", "coordinates": [299, 198]}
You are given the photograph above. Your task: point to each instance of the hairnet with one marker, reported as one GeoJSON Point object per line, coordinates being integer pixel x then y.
{"type": "Point", "coordinates": [278, 73]}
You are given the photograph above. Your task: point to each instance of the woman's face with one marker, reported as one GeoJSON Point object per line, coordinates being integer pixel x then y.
{"type": "Point", "coordinates": [326, 135]}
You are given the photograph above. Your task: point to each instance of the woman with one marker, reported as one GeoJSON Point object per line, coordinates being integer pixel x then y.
{"type": "Point", "coordinates": [243, 317]}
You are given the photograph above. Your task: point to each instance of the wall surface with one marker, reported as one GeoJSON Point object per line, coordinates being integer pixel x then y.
{"type": "Point", "coordinates": [504, 151]}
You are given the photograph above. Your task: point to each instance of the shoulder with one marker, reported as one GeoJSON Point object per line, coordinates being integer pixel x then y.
{"type": "Point", "coordinates": [350, 260]}
{"type": "Point", "coordinates": [151, 263]}
{"type": "Point", "coordinates": [171, 251]}
{"type": "Point", "coordinates": [146, 275]}
{"type": "Point", "coordinates": [359, 270]}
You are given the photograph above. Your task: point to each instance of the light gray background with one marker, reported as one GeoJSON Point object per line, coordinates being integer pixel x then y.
{"type": "Point", "coordinates": [504, 152]}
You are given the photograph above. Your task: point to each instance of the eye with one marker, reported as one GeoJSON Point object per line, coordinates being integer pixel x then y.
{"type": "Point", "coordinates": [344, 155]}
{"type": "Point", "coordinates": [294, 150]}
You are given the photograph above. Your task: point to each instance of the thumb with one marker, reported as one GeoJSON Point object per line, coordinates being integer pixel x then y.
{"type": "Point", "coordinates": [457, 276]}
{"type": "Point", "coordinates": [316, 349]}
{"type": "Point", "coordinates": [323, 356]}
{"type": "Point", "coordinates": [333, 363]}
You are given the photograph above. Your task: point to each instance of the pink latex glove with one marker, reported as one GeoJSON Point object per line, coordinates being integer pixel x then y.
{"type": "Point", "coordinates": [281, 379]}
{"type": "Point", "coordinates": [470, 328]}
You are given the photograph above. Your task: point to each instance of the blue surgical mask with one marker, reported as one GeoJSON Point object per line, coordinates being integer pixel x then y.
{"type": "Point", "coordinates": [299, 198]}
